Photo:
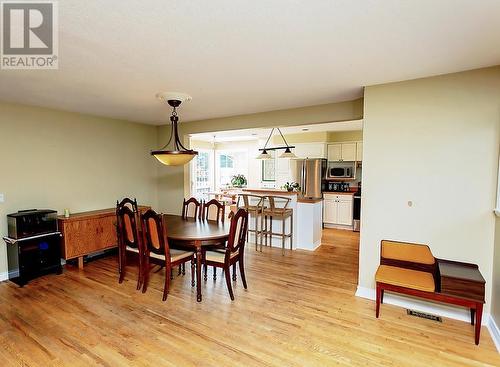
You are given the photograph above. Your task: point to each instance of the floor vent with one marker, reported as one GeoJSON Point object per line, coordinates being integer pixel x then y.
{"type": "Point", "coordinates": [424, 315]}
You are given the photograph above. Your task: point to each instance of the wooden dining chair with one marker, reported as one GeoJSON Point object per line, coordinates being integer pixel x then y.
{"type": "Point", "coordinates": [234, 252]}
{"type": "Point", "coordinates": [191, 208]}
{"type": "Point", "coordinates": [129, 241]}
{"type": "Point", "coordinates": [131, 204]}
{"type": "Point", "coordinates": [214, 210]}
{"type": "Point", "coordinates": [158, 252]}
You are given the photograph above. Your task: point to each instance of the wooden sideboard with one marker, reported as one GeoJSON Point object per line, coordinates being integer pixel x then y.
{"type": "Point", "coordinates": [88, 232]}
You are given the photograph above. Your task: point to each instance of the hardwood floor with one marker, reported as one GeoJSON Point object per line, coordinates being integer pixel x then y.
{"type": "Point", "coordinates": [299, 310]}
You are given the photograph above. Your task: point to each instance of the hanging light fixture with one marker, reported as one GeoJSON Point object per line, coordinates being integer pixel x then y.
{"type": "Point", "coordinates": [179, 155]}
{"type": "Point", "coordinates": [286, 154]}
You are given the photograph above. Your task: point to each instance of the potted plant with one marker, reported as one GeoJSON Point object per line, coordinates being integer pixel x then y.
{"type": "Point", "coordinates": [238, 181]}
{"type": "Point", "coordinates": [291, 186]}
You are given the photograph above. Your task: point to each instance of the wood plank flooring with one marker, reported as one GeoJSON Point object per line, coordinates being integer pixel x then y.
{"type": "Point", "coordinates": [299, 310]}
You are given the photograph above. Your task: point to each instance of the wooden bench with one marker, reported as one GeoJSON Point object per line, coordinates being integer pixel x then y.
{"type": "Point", "coordinates": [411, 269]}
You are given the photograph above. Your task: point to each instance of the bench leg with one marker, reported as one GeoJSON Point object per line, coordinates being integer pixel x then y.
{"type": "Point", "coordinates": [472, 315]}
{"type": "Point", "coordinates": [479, 316]}
{"type": "Point", "coordinates": [379, 296]}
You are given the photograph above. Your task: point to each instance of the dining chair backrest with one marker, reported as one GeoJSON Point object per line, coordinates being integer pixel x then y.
{"type": "Point", "coordinates": [191, 208]}
{"type": "Point", "coordinates": [131, 204]}
{"type": "Point", "coordinates": [249, 201]}
{"type": "Point", "coordinates": [155, 234]}
{"type": "Point", "coordinates": [127, 226]}
{"type": "Point", "coordinates": [237, 231]}
{"type": "Point", "coordinates": [213, 210]}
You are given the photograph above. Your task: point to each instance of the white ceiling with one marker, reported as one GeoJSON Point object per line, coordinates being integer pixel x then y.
{"type": "Point", "coordinates": [256, 134]}
{"type": "Point", "coordinates": [239, 56]}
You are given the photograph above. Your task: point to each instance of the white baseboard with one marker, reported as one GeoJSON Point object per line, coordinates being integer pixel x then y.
{"type": "Point", "coordinates": [4, 276]}
{"type": "Point", "coordinates": [494, 331]}
{"type": "Point", "coordinates": [437, 309]}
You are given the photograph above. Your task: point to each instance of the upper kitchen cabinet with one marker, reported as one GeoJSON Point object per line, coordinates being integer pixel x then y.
{"type": "Point", "coordinates": [339, 152]}
{"type": "Point", "coordinates": [359, 151]}
{"type": "Point", "coordinates": [309, 150]}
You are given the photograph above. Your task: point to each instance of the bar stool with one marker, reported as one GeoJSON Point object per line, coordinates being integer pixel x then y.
{"type": "Point", "coordinates": [254, 205]}
{"type": "Point", "coordinates": [278, 212]}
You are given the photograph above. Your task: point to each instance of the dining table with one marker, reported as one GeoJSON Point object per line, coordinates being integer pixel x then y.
{"type": "Point", "coordinates": [194, 233]}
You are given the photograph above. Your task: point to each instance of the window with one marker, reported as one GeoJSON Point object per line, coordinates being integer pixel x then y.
{"type": "Point", "coordinates": [202, 173]}
{"type": "Point", "coordinates": [226, 161]}
{"type": "Point", "coordinates": [268, 168]}
{"type": "Point", "coordinates": [230, 163]}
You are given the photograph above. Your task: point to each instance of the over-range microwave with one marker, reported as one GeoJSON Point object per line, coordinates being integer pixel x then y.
{"type": "Point", "coordinates": [340, 171]}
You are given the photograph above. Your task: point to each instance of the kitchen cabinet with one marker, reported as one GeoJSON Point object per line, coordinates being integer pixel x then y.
{"type": "Point", "coordinates": [359, 151]}
{"type": "Point", "coordinates": [309, 150]}
{"type": "Point", "coordinates": [337, 209]}
{"type": "Point", "coordinates": [340, 152]}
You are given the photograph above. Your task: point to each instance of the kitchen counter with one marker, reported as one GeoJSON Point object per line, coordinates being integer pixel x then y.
{"type": "Point", "coordinates": [271, 191]}
{"type": "Point", "coordinates": [309, 200]}
{"type": "Point", "coordinates": [307, 219]}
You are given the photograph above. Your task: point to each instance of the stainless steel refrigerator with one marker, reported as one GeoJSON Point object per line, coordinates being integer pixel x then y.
{"type": "Point", "coordinates": [309, 174]}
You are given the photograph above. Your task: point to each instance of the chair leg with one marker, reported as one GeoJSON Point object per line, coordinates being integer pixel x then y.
{"type": "Point", "coordinates": [291, 232]}
{"type": "Point", "coordinates": [180, 270]}
{"type": "Point", "coordinates": [192, 273]}
{"type": "Point", "coordinates": [377, 307]}
{"type": "Point", "coordinates": [183, 268]}
{"type": "Point", "coordinates": [146, 275]}
{"type": "Point", "coordinates": [234, 272]}
{"type": "Point", "coordinates": [123, 259]}
{"type": "Point", "coordinates": [166, 287]}
{"type": "Point", "coordinates": [283, 237]}
{"type": "Point", "coordinates": [171, 273]}
{"type": "Point", "coordinates": [227, 274]}
{"type": "Point", "coordinates": [270, 231]}
{"type": "Point", "coordinates": [381, 296]}
{"type": "Point", "coordinates": [140, 272]}
{"type": "Point", "coordinates": [205, 272]}
{"type": "Point", "coordinates": [215, 273]}
{"type": "Point", "coordinates": [242, 272]}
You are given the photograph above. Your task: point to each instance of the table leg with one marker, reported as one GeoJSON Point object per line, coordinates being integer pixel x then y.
{"type": "Point", "coordinates": [198, 271]}
{"type": "Point", "coordinates": [479, 316]}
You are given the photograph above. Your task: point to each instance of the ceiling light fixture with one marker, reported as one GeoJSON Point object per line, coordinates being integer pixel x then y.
{"type": "Point", "coordinates": [180, 155]}
{"type": "Point", "coordinates": [287, 154]}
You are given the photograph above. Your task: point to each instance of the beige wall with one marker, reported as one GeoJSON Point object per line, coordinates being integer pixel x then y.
{"type": "Point", "coordinates": [334, 136]}
{"type": "Point", "coordinates": [436, 141]}
{"type": "Point", "coordinates": [172, 189]}
{"type": "Point", "coordinates": [54, 159]}
{"type": "Point", "coordinates": [495, 297]}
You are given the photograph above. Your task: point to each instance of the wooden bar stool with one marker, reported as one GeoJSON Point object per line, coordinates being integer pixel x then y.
{"type": "Point", "coordinates": [254, 205]}
{"type": "Point", "coordinates": [277, 209]}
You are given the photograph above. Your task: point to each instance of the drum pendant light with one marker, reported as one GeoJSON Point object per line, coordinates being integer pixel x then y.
{"type": "Point", "coordinates": [179, 155]}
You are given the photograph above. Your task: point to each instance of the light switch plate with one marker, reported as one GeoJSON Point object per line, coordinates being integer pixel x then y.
{"type": "Point", "coordinates": [2, 198]}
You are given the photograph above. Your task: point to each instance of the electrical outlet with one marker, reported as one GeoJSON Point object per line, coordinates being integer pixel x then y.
{"type": "Point", "coordinates": [2, 198]}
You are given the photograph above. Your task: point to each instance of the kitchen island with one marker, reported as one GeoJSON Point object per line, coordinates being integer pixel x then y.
{"type": "Point", "coordinates": [307, 220]}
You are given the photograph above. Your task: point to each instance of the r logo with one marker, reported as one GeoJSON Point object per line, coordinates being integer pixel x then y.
{"type": "Point", "coordinates": [27, 28]}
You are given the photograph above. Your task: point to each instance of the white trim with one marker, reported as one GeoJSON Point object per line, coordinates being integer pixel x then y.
{"type": "Point", "coordinates": [494, 331]}
{"type": "Point", "coordinates": [420, 305]}
{"type": "Point", "coordinates": [4, 276]}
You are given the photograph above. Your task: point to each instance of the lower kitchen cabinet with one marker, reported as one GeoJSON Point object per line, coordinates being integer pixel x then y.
{"type": "Point", "coordinates": [337, 209]}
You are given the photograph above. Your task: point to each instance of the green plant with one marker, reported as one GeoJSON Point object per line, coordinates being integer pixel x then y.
{"type": "Point", "coordinates": [238, 181]}
{"type": "Point", "coordinates": [291, 186]}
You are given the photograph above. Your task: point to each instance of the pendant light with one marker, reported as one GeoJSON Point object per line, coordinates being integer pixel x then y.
{"type": "Point", "coordinates": [180, 155]}
{"type": "Point", "coordinates": [286, 154]}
